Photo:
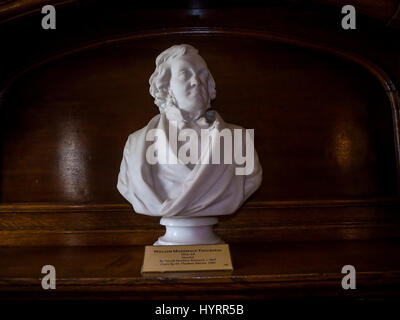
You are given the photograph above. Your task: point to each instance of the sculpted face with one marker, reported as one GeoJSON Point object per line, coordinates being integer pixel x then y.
{"type": "Point", "coordinates": [188, 84]}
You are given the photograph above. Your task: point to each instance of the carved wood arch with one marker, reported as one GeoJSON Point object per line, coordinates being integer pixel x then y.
{"type": "Point", "coordinates": [274, 211]}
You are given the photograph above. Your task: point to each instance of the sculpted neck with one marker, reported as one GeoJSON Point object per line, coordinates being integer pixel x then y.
{"type": "Point", "coordinates": [176, 114]}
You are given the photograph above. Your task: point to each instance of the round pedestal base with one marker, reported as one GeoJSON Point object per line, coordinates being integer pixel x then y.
{"type": "Point", "coordinates": [188, 231]}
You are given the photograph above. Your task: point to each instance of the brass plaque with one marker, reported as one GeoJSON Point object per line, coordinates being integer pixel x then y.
{"type": "Point", "coordinates": [187, 258]}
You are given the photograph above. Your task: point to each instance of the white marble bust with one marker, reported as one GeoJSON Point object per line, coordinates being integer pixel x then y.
{"type": "Point", "coordinates": [168, 167]}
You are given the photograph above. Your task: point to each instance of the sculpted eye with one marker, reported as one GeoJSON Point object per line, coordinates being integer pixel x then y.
{"type": "Point", "coordinates": [183, 74]}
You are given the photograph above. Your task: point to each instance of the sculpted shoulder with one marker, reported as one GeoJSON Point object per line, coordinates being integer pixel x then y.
{"type": "Point", "coordinates": [140, 135]}
{"type": "Point", "coordinates": [134, 136]}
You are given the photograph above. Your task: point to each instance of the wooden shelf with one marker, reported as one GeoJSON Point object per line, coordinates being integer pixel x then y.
{"type": "Point", "coordinates": [279, 270]}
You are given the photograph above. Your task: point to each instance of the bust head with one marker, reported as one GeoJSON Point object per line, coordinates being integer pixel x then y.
{"type": "Point", "coordinates": [182, 79]}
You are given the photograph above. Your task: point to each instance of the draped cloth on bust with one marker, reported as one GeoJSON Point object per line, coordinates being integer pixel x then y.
{"type": "Point", "coordinates": [177, 190]}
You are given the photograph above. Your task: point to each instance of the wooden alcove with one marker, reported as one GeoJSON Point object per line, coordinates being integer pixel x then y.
{"type": "Point", "coordinates": [326, 130]}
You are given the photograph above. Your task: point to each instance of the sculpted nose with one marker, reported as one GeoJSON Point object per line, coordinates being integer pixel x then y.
{"type": "Point", "coordinates": [195, 81]}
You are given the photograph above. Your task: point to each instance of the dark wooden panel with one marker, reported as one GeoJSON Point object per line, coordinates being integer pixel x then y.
{"type": "Point", "coordinates": [380, 9]}
{"type": "Point", "coordinates": [323, 126]}
{"type": "Point", "coordinates": [100, 225]}
{"type": "Point", "coordinates": [276, 271]}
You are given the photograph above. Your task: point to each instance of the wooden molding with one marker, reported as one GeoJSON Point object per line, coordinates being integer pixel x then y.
{"type": "Point", "coordinates": [117, 224]}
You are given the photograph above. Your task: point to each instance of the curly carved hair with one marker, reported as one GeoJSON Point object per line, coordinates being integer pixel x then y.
{"type": "Point", "coordinates": [159, 80]}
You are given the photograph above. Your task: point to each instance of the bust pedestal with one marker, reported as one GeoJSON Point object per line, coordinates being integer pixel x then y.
{"type": "Point", "coordinates": [188, 231]}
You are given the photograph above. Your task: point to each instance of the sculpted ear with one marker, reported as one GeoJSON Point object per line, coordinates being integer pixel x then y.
{"type": "Point", "coordinates": [211, 87]}
{"type": "Point", "coordinates": [163, 79]}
